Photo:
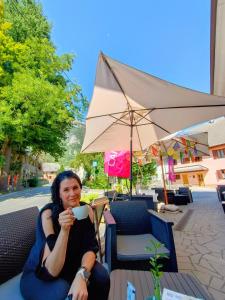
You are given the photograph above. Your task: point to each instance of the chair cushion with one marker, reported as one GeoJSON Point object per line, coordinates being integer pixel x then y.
{"type": "Point", "coordinates": [132, 247]}
{"type": "Point", "coordinates": [10, 290]}
{"type": "Point", "coordinates": [171, 207]}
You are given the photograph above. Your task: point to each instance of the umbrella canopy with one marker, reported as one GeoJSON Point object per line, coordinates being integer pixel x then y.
{"type": "Point", "coordinates": [124, 97]}
{"type": "Point", "coordinates": [132, 110]}
{"type": "Point", "coordinates": [217, 53]}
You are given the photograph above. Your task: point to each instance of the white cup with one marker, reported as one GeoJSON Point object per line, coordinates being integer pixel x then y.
{"type": "Point", "coordinates": [80, 212]}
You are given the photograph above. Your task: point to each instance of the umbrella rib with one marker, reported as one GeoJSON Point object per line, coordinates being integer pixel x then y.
{"type": "Point", "coordinates": [138, 136]}
{"type": "Point", "coordinates": [119, 84]}
{"type": "Point", "coordinates": [122, 121]}
{"type": "Point", "coordinates": [142, 117]}
{"type": "Point", "coordinates": [157, 108]}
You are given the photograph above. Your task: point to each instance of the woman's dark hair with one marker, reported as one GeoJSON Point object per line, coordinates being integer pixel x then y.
{"type": "Point", "coordinates": [57, 181]}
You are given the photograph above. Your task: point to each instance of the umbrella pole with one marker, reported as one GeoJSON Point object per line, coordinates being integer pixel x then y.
{"type": "Point", "coordinates": [164, 182]}
{"type": "Point", "coordinates": [131, 154]}
{"type": "Point", "coordinates": [131, 160]}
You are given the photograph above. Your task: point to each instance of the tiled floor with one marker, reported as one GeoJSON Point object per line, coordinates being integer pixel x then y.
{"type": "Point", "coordinates": [200, 245]}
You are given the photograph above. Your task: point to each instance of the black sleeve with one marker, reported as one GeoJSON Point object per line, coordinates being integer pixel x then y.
{"type": "Point", "coordinates": [51, 240]}
{"type": "Point", "coordinates": [43, 273]}
{"type": "Point", "coordinates": [90, 241]}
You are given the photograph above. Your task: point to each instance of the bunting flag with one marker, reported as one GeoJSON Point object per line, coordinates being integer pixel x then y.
{"type": "Point", "coordinates": [154, 151]}
{"type": "Point", "coordinates": [195, 151]}
{"type": "Point", "coordinates": [172, 176]}
{"type": "Point", "coordinates": [176, 146]}
{"type": "Point", "coordinates": [183, 141]}
{"type": "Point", "coordinates": [170, 151]}
{"type": "Point", "coordinates": [181, 156]}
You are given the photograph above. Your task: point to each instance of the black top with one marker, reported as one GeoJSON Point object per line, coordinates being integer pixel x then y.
{"type": "Point", "coordinates": [81, 239]}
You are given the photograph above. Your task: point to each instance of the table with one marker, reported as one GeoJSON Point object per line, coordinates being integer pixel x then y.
{"type": "Point", "coordinates": [179, 282]}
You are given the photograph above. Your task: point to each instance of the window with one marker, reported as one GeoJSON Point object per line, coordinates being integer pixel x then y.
{"type": "Point", "coordinates": [198, 158]}
{"type": "Point", "coordinates": [185, 160]}
{"type": "Point", "coordinates": [218, 153]}
{"type": "Point", "coordinates": [221, 174]}
{"type": "Point", "coordinates": [177, 177]}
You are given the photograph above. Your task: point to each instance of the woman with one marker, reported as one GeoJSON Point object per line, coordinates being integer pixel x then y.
{"type": "Point", "coordinates": [62, 261]}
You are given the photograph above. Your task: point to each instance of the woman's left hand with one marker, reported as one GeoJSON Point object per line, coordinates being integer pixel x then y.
{"type": "Point", "coordinates": [79, 289]}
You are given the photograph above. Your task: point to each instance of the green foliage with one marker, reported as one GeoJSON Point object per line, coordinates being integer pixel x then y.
{"type": "Point", "coordinates": [88, 198]}
{"type": "Point", "coordinates": [94, 176]}
{"type": "Point", "coordinates": [33, 182]}
{"type": "Point", "coordinates": [2, 161]}
{"type": "Point", "coordinates": [156, 266]}
{"type": "Point", "coordinates": [143, 174]}
{"type": "Point", "coordinates": [28, 20]}
{"type": "Point", "coordinates": [37, 104]}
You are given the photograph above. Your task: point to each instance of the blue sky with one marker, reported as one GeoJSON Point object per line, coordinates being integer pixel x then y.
{"type": "Point", "coordinates": [169, 39]}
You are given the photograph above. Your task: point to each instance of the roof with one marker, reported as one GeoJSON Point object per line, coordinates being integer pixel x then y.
{"type": "Point", "coordinates": [50, 167]}
{"type": "Point", "coordinates": [192, 168]}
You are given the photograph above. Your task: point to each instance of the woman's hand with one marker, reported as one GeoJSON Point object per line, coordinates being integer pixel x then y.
{"type": "Point", "coordinates": [78, 289]}
{"type": "Point", "coordinates": [66, 219]}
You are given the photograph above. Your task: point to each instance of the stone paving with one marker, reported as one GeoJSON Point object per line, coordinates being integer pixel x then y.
{"type": "Point", "coordinates": [200, 245]}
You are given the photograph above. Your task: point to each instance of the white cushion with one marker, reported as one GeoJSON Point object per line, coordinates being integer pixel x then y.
{"type": "Point", "coordinates": [171, 207]}
{"type": "Point", "coordinates": [132, 247]}
{"type": "Point", "coordinates": [10, 290]}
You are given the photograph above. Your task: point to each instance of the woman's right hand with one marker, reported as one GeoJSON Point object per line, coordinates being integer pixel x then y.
{"type": "Point", "coordinates": [66, 219]}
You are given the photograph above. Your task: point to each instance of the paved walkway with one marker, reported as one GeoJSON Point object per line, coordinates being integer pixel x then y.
{"type": "Point", "coordinates": [200, 245]}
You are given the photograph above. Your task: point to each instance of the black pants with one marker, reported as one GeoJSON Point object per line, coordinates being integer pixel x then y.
{"type": "Point", "coordinates": [33, 288]}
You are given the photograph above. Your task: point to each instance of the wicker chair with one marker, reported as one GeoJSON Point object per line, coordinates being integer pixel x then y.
{"type": "Point", "coordinates": [221, 195]}
{"type": "Point", "coordinates": [99, 205]}
{"type": "Point", "coordinates": [17, 235]}
{"type": "Point", "coordinates": [129, 229]}
{"type": "Point", "coordinates": [186, 192]}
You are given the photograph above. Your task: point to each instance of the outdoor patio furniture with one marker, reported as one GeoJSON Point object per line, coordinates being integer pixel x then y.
{"type": "Point", "coordinates": [99, 205]}
{"type": "Point", "coordinates": [121, 197]}
{"type": "Point", "coordinates": [146, 198]}
{"type": "Point", "coordinates": [220, 189]}
{"type": "Point", "coordinates": [143, 283]}
{"type": "Point", "coordinates": [17, 235]}
{"type": "Point", "coordinates": [177, 199]}
{"type": "Point", "coordinates": [111, 195]}
{"type": "Point", "coordinates": [129, 229]}
{"type": "Point", "coordinates": [161, 197]}
{"type": "Point", "coordinates": [185, 191]}
{"type": "Point", "coordinates": [221, 195]}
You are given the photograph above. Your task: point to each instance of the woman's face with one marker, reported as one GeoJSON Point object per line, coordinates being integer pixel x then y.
{"type": "Point", "coordinates": [70, 192]}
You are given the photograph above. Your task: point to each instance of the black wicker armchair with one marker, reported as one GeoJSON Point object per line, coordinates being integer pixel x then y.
{"type": "Point", "coordinates": [129, 229]}
{"type": "Point", "coordinates": [221, 195]}
{"type": "Point", "coordinates": [17, 235]}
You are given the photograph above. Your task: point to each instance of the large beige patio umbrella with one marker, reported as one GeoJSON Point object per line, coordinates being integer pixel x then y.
{"type": "Point", "coordinates": [217, 51]}
{"type": "Point", "coordinates": [131, 109]}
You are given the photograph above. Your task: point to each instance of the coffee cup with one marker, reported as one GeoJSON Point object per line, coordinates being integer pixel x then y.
{"type": "Point", "coordinates": [80, 212]}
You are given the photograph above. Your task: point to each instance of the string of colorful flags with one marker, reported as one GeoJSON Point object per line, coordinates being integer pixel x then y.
{"type": "Point", "coordinates": [117, 163]}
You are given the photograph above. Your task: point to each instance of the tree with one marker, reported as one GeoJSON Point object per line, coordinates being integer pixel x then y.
{"type": "Point", "coordinates": [142, 174]}
{"type": "Point", "coordinates": [37, 104]}
{"type": "Point", "coordinates": [94, 175]}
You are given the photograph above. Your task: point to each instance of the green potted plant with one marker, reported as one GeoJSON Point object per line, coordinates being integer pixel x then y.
{"type": "Point", "coordinates": [156, 269]}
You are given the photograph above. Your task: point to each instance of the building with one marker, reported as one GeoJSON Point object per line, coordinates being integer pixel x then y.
{"type": "Point", "coordinates": [50, 170]}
